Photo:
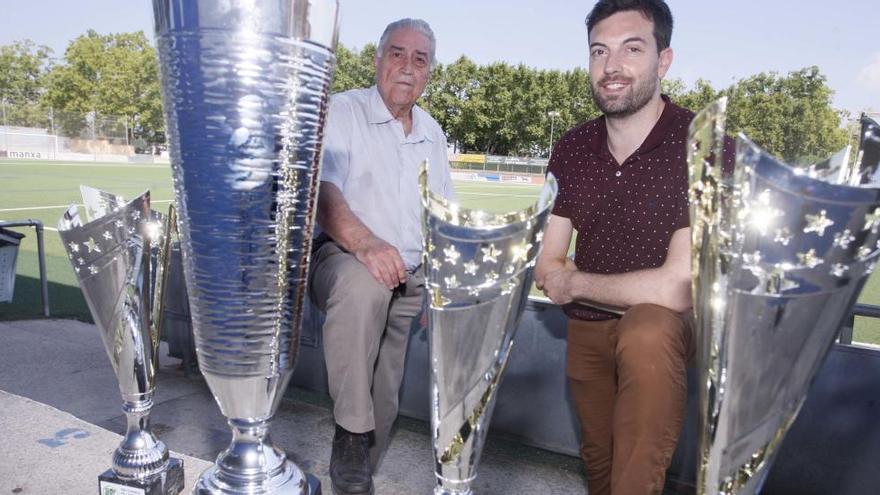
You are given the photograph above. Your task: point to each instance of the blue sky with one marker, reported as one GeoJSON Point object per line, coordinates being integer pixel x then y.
{"type": "Point", "coordinates": [718, 41]}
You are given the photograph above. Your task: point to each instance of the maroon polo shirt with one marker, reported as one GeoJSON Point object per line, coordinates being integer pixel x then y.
{"type": "Point", "coordinates": [624, 213]}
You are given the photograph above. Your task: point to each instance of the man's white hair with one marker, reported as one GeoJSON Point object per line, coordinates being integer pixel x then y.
{"type": "Point", "coordinates": [416, 25]}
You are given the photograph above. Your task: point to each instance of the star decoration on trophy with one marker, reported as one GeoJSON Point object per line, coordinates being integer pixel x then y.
{"type": "Point", "coordinates": [452, 255]}
{"type": "Point", "coordinates": [471, 268]}
{"type": "Point", "coordinates": [490, 254]}
{"type": "Point", "coordinates": [476, 268]}
{"type": "Point", "coordinates": [773, 282]}
{"type": "Point", "coordinates": [872, 220]}
{"type": "Point", "coordinates": [809, 259]}
{"type": "Point", "coordinates": [783, 236]}
{"type": "Point", "coordinates": [762, 215]}
{"type": "Point", "coordinates": [839, 269]}
{"type": "Point", "coordinates": [520, 252]}
{"type": "Point", "coordinates": [843, 239]}
{"type": "Point", "coordinates": [818, 223]}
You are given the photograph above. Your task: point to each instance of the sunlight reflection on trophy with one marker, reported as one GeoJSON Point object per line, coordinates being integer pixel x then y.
{"type": "Point", "coordinates": [779, 257]}
{"type": "Point", "coordinates": [119, 257]}
{"type": "Point", "coordinates": [245, 87]}
{"type": "Point", "coordinates": [478, 272]}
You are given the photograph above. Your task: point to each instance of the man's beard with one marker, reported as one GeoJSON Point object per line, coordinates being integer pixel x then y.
{"type": "Point", "coordinates": [627, 104]}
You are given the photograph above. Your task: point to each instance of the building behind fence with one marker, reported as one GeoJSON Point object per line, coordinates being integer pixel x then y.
{"type": "Point", "coordinates": [494, 168]}
{"type": "Point", "coordinates": [68, 136]}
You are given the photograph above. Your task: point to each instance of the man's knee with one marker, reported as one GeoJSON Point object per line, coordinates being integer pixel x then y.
{"type": "Point", "coordinates": [350, 287]}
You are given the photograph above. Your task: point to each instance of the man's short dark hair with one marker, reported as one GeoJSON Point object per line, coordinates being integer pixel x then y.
{"type": "Point", "coordinates": [655, 10]}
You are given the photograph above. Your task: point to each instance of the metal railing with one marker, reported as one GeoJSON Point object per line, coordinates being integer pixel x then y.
{"type": "Point", "coordinates": [866, 310]}
{"type": "Point", "coordinates": [41, 255]}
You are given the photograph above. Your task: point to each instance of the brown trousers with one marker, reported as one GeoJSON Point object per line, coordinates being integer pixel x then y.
{"type": "Point", "coordinates": [629, 385]}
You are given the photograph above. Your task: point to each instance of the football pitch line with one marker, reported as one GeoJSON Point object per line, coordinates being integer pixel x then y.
{"type": "Point", "coordinates": [466, 193]}
{"type": "Point", "coordinates": [83, 164]}
{"type": "Point", "coordinates": [52, 207]}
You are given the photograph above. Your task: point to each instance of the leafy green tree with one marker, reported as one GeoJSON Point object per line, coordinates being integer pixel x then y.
{"type": "Point", "coordinates": [694, 99]}
{"type": "Point", "coordinates": [791, 116]}
{"type": "Point", "coordinates": [448, 93]}
{"type": "Point", "coordinates": [23, 69]}
{"type": "Point", "coordinates": [109, 75]}
{"type": "Point", "coordinates": [354, 69]}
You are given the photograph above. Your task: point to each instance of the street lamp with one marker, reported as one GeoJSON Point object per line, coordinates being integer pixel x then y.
{"type": "Point", "coordinates": [552, 114]}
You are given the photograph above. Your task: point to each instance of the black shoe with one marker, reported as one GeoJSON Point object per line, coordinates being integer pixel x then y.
{"type": "Point", "coordinates": [350, 472]}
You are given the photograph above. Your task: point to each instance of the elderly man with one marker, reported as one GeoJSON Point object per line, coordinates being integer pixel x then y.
{"type": "Point", "coordinates": [366, 265]}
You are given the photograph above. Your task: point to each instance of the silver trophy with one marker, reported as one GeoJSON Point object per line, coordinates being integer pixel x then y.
{"type": "Point", "coordinates": [118, 257]}
{"type": "Point", "coordinates": [245, 88]}
{"type": "Point", "coordinates": [779, 256]}
{"type": "Point", "coordinates": [478, 272]}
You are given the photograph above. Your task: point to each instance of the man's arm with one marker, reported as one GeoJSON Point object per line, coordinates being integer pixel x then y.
{"type": "Point", "coordinates": [340, 223]}
{"type": "Point", "coordinates": [668, 285]}
{"type": "Point", "coordinates": [554, 248]}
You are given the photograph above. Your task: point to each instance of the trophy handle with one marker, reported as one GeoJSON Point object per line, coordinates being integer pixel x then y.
{"type": "Point", "coordinates": [163, 263]}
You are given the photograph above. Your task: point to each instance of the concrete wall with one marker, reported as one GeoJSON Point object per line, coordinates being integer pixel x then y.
{"type": "Point", "coordinates": [833, 447]}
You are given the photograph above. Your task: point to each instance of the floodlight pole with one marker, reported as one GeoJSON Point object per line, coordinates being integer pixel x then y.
{"type": "Point", "coordinates": [552, 114]}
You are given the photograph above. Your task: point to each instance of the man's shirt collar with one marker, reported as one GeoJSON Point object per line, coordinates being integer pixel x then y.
{"type": "Point", "coordinates": [378, 114]}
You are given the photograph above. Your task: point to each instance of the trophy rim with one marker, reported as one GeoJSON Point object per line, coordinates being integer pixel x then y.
{"type": "Point", "coordinates": [452, 213]}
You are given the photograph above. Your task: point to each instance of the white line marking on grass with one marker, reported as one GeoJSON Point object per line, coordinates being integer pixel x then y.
{"type": "Point", "coordinates": [465, 193]}
{"type": "Point", "coordinates": [62, 206]}
{"type": "Point", "coordinates": [34, 208]}
{"type": "Point", "coordinates": [478, 185]}
{"type": "Point", "coordinates": [86, 164]}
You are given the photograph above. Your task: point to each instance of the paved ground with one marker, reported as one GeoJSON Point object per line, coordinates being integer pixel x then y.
{"type": "Point", "coordinates": [58, 381]}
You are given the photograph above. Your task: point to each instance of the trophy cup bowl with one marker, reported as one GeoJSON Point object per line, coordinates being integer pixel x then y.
{"type": "Point", "coordinates": [779, 256]}
{"type": "Point", "coordinates": [478, 272]}
{"type": "Point", "coordinates": [113, 261]}
{"type": "Point", "coordinates": [245, 88]}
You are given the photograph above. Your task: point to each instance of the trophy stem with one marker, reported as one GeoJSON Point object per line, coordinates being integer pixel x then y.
{"type": "Point", "coordinates": [252, 464]}
{"type": "Point", "coordinates": [140, 455]}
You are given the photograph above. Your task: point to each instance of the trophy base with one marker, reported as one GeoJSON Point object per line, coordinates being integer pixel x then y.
{"type": "Point", "coordinates": [205, 486]}
{"type": "Point", "coordinates": [169, 482]}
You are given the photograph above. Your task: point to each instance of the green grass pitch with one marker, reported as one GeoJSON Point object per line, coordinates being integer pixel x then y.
{"type": "Point", "coordinates": [43, 190]}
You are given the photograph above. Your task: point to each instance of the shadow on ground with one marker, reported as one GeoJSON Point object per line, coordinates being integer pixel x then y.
{"type": "Point", "coordinates": [65, 301]}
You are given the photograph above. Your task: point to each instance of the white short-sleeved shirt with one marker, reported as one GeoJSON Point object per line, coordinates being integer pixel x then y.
{"type": "Point", "coordinates": [368, 157]}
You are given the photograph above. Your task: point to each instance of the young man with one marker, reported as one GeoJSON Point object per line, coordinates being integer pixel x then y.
{"type": "Point", "coordinates": [365, 269]}
{"type": "Point", "coordinates": [623, 187]}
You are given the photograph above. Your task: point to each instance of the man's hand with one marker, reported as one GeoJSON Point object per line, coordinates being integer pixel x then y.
{"type": "Point", "coordinates": [556, 284]}
{"type": "Point", "coordinates": [382, 260]}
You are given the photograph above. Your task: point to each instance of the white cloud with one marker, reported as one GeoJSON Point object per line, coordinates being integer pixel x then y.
{"type": "Point", "coordinates": [869, 76]}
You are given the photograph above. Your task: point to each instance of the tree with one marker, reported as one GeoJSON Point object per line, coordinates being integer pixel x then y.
{"type": "Point", "coordinates": [694, 99]}
{"type": "Point", "coordinates": [791, 117]}
{"type": "Point", "coordinates": [23, 68]}
{"type": "Point", "coordinates": [110, 75]}
{"type": "Point", "coordinates": [354, 69]}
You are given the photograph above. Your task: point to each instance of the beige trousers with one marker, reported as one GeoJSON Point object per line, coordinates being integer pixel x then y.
{"type": "Point", "coordinates": [365, 337]}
